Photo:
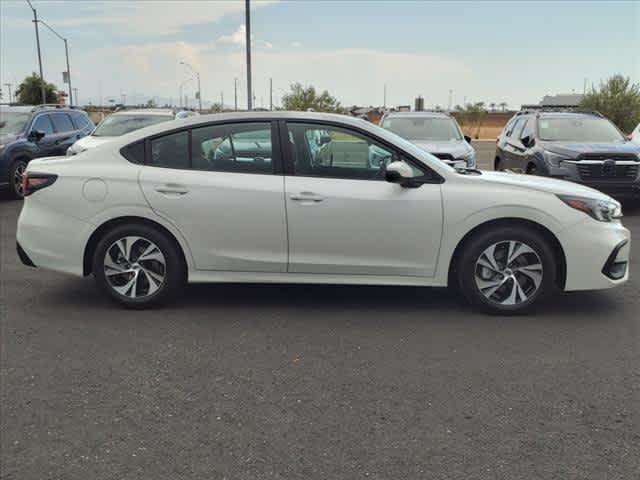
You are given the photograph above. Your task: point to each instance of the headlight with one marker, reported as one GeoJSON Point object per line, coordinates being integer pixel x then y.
{"type": "Point", "coordinates": [469, 158]}
{"type": "Point", "coordinates": [554, 158]}
{"type": "Point", "coordinates": [601, 210]}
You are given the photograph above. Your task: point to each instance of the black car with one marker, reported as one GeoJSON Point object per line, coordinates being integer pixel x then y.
{"type": "Point", "coordinates": [28, 132]}
{"type": "Point", "coordinates": [570, 144]}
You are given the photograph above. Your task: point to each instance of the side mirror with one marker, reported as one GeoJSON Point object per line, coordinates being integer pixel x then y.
{"type": "Point", "coordinates": [400, 173]}
{"type": "Point", "coordinates": [467, 138]}
{"type": "Point", "coordinates": [527, 141]}
{"type": "Point", "coordinates": [37, 135]}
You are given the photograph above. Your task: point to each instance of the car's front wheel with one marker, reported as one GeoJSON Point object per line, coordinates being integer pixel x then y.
{"type": "Point", "coordinates": [138, 266]}
{"type": "Point", "coordinates": [507, 269]}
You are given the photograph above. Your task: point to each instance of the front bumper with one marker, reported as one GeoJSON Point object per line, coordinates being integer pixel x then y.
{"type": "Point", "coordinates": [595, 253]}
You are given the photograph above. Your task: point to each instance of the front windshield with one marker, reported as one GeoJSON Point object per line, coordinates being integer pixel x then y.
{"type": "Point", "coordinates": [435, 129]}
{"type": "Point", "coordinates": [578, 129]}
{"type": "Point", "coordinates": [12, 123]}
{"type": "Point", "coordinates": [116, 125]}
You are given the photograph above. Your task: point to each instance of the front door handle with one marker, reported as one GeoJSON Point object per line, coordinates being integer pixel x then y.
{"type": "Point", "coordinates": [171, 189]}
{"type": "Point", "coordinates": [306, 197]}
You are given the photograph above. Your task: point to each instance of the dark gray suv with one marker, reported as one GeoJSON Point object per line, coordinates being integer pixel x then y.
{"type": "Point", "coordinates": [570, 144]}
{"type": "Point", "coordinates": [28, 132]}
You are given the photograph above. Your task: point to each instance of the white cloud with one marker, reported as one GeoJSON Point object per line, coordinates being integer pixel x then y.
{"type": "Point", "coordinates": [296, 44]}
{"type": "Point", "coordinates": [236, 38]}
{"type": "Point", "coordinates": [156, 16]}
{"type": "Point", "coordinates": [355, 76]}
{"type": "Point", "coordinates": [268, 45]}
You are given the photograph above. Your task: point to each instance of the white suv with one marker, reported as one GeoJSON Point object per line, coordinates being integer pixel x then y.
{"type": "Point", "coordinates": [247, 197]}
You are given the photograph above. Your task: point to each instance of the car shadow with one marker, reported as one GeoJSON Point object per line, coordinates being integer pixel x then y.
{"type": "Point", "coordinates": [431, 304]}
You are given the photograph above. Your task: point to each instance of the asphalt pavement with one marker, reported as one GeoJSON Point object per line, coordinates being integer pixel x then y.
{"type": "Point", "coordinates": [313, 382]}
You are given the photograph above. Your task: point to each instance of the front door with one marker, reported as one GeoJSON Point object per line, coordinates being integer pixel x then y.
{"type": "Point", "coordinates": [344, 218]}
{"type": "Point", "coordinates": [224, 197]}
{"type": "Point", "coordinates": [46, 146]}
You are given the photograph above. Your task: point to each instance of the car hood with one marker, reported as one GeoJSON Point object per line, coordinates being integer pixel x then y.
{"type": "Point", "coordinates": [91, 142]}
{"type": "Point", "coordinates": [573, 149]}
{"type": "Point", "coordinates": [544, 184]}
{"type": "Point", "coordinates": [456, 149]}
{"type": "Point", "coordinates": [7, 138]}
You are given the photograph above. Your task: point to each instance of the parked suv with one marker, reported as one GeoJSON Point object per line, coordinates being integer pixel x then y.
{"type": "Point", "coordinates": [28, 132]}
{"type": "Point", "coordinates": [580, 146]}
{"type": "Point", "coordinates": [437, 133]}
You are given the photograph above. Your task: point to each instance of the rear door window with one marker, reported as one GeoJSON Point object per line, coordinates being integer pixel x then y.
{"type": "Point", "coordinates": [62, 122]}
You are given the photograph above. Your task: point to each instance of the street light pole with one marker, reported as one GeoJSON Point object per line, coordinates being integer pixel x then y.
{"type": "Point", "coordinates": [66, 52]}
{"type": "Point", "coordinates": [9, 85]}
{"type": "Point", "coordinates": [198, 77]}
{"type": "Point", "coordinates": [35, 22]}
{"type": "Point", "coordinates": [235, 92]}
{"type": "Point", "coordinates": [248, 47]}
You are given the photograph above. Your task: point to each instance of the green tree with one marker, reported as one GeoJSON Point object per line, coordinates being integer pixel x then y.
{"type": "Point", "coordinates": [301, 98]}
{"type": "Point", "coordinates": [29, 91]}
{"type": "Point", "coordinates": [618, 99]}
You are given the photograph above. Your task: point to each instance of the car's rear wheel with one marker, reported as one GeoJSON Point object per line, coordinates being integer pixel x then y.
{"type": "Point", "coordinates": [15, 176]}
{"type": "Point", "coordinates": [138, 266]}
{"type": "Point", "coordinates": [507, 270]}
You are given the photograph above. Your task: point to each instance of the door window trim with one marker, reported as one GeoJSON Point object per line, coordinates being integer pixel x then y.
{"type": "Point", "coordinates": [436, 178]}
{"type": "Point", "coordinates": [276, 157]}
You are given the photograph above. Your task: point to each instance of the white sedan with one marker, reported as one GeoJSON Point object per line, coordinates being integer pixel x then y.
{"type": "Point", "coordinates": [249, 197]}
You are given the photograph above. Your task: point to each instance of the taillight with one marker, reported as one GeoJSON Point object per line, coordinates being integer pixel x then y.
{"type": "Point", "coordinates": [36, 181]}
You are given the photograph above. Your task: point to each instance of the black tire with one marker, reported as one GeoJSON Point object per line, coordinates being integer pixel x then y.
{"type": "Point", "coordinates": [15, 189]}
{"type": "Point", "coordinates": [497, 165]}
{"type": "Point", "coordinates": [468, 270]}
{"type": "Point", "coordinates": [173, 270]}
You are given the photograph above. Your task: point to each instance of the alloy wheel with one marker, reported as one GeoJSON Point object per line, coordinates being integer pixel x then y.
{"type": "Point", "coordinates": [508, 272]}
{"type": "Point", "coordinates": [135, 267]}
{"type": "Point", "coordinates": [17, 178]}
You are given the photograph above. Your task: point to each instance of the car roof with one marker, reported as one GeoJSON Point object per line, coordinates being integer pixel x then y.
{"type": "Point", "coordinates": [39, 109]}
{"type": "Point", "coordinates": [145, 111]}
{"type": "Point", "coordinates": [423, 114]}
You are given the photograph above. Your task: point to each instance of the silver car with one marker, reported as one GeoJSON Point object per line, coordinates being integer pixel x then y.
{"type": "Point", "coordinates": [435, 132]}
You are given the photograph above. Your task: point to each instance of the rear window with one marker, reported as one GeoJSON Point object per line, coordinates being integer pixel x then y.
{"type": "Point", "coordinates": [81, 120]}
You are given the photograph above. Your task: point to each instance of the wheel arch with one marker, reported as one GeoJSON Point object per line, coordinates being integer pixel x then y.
{"type": "Point", "coordinates": [98, 233]}
{"type": "Point", "coordinates": [559, 253]}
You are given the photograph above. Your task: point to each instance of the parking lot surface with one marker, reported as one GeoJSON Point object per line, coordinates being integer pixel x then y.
{"type": "Point", "coordinates": [313, 382]}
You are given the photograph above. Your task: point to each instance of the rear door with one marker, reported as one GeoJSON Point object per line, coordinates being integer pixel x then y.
{"type": "Point", "coordinates": [219, 185]}
{"type": "Point", "coordinates": [344, 218]}
{"type": "Point", "coordinates": [66, 133]}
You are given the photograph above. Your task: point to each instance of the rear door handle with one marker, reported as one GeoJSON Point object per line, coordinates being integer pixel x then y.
{"type": "Point", "coordinates": [306, 197]}
{"type": "Point", "coordinates": [171, 189]}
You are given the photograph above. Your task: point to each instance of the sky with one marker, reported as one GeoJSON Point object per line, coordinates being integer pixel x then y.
{"type": "Point", "coordinates": [448, 51]}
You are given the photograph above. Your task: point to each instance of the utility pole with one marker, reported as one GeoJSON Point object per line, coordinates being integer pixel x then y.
{"type": "Point", "coordinates": [35, 22]}
{"type": "Point", "coordinates": [75, 95]}
{"type": "Point", "coordinates": [235, 93]}
{"type": "Point", "coordinates": [9, 85]}
{"type": "Point", "coordinates": [271, 94]}
{"type": "Point", "coordinates": [66, 52]}
{"type": "Point", "coordinates": [248, 46]}
{"type": "Point", "coordinates": [221, 101]}
{"type": "Point", "coordinates": [384, 98]}
{"type": "Point", "coordinates": [450, 99]}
